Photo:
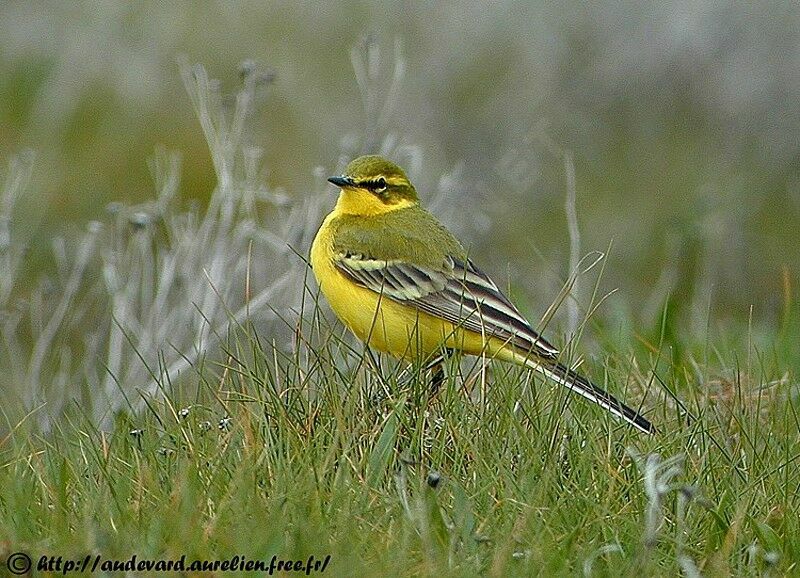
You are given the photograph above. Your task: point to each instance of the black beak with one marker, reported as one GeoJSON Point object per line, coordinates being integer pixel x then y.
{"type": "Point", "coordinates": [341, 181]}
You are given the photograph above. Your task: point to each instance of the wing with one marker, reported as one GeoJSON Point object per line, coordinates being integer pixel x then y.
{"type": "Point", "coordinates": [457, 292]}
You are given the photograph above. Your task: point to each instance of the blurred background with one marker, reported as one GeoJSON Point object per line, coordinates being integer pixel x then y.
{"type": "Point", "coordinates": [681, 120]}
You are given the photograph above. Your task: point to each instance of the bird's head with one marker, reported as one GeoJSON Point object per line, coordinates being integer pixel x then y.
{"type": "Point", "coordinates": [372, 185]}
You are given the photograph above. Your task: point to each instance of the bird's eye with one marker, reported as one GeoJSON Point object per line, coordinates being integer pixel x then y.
{"type": "Point", "coordinates": [380, 185]}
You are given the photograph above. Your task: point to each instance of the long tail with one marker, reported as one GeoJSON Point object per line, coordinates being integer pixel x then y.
{"type": "Point", "coordinates": [582, 386]}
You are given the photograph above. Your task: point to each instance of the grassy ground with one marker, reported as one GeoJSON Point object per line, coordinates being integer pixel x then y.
{"type": "Point", "coordinates": [319, 454]}
{"type": "Point", "coordinates": [292, 449]}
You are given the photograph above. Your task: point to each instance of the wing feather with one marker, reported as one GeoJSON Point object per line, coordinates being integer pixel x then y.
{"type": "Point", "coordinates": [457, 292]}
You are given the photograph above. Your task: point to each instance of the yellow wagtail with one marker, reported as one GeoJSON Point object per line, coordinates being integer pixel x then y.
{"type": "Point", "coordinates": [403, 284]}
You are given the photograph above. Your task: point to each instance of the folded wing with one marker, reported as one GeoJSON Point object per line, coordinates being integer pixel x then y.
{"type": "Point", "coordinates": [457, 292]}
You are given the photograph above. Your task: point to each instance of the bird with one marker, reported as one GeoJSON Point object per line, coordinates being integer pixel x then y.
{"type": "Point", "coordinates": [404, 285]}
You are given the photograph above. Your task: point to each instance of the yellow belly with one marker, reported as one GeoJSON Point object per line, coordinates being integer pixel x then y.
{"type": "Point", "coordinates": [387, 325]}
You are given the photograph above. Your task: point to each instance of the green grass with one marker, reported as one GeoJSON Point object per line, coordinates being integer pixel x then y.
{"type": "Point", "coordinates": [163, 424]}
{"type": "Point", "coordinates": [319, 454]}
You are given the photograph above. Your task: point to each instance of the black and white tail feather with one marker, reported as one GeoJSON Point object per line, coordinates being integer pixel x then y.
{"type": "Point", "coordinates": [463, 295]}
{"type": "Point", "coordinates": [582, 386]}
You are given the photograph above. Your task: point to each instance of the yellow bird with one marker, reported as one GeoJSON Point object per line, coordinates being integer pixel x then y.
{"type": "Point", "coordinates": [404, 285]}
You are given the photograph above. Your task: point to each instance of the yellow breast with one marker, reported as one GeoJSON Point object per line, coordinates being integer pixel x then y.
{"type": "Point", "coordinates": [374, 319]}
{"type": "Point", "coordinates": [384, 324]}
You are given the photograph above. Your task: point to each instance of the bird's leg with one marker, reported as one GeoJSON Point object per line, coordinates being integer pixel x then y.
{"type": "Point", "coordinates": [437, 378]}
{"type": "Point", "coordinates": [436, 367]}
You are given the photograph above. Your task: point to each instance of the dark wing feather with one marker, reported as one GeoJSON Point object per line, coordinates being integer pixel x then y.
{"type": "Point", "coordinates": [457, 292]}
